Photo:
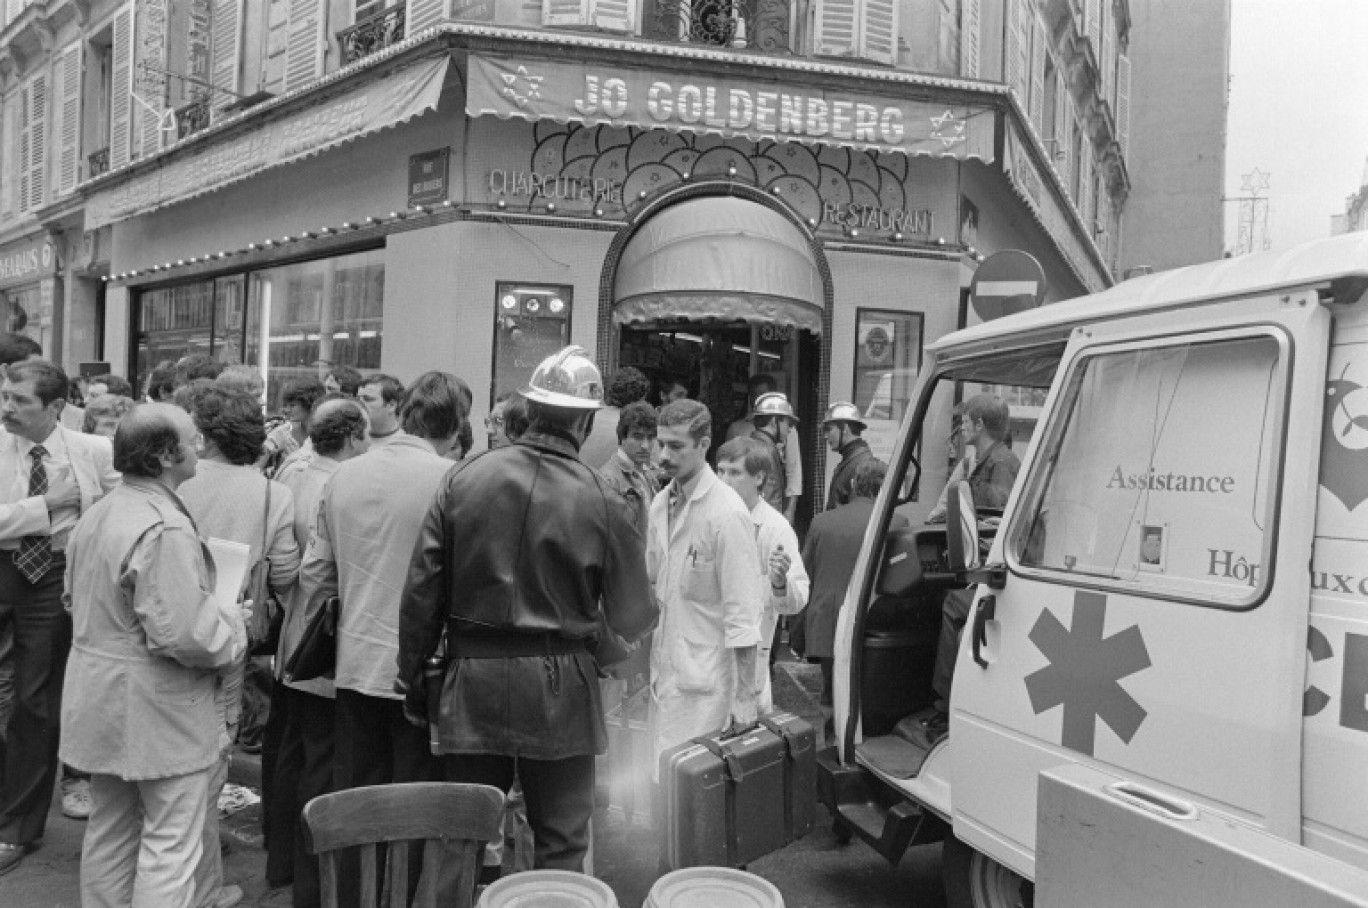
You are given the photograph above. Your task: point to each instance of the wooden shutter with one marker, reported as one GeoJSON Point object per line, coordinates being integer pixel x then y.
{"type": "Point", "coordinates": [1092, 23]}
{"type": "Point", "coordinates": [836, 28]}
{"type": "Point", "coordinates": [1107, 58]}
{"type": "Point", "coordinates": [8, 159]}
{"type": "Point", "coordinates": [121, 86]}
{"type": "Point", "coordinates": [614, 15]}
{"type": "Point", "coordinates": [66, 130]}
{"type": "Point", "coordinates": [566, 12]}
{"type": "Point", "coordinates": [148, 104]}
{"type": "Point", "coordinates": [422, 14]}
{"type": "Point", "coordinates": [304, 44]}
{"type": "Point", "coordinates": [1017, 65]}
{"type": "Point", "coordinates": [1063, 140]}
{"type": "Point", "coordinates": [1038, 57]}
{"type": "Point", "coordinates": [37, 136]}
{"type": "Point", "coordinates": [1085, 185]}
{"type": "Point", "coordinates": [970, 25]}
{"type": "Point", "coordinates": [225, 51]}
{"type": "Point", "coordinates": [1123, 88]}
{"type": "Point", "coordinates": [879, 31]}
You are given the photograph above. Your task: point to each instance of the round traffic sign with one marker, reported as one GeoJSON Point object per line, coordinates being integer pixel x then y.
{"type": "Point", "coordinates": [1007, 282]}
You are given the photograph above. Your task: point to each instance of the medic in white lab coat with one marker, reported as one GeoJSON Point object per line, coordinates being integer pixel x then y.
{"type": "Point", "coordinates": [783, 580]}
{"type": "Point", "coordinates": [701, 559]}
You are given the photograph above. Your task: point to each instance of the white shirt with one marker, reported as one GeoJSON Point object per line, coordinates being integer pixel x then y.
{"type": "Point", "coordinates": [703, 572]}
{"type": "Point", "coordinates": [56, 461]}
{"type": "Point", "coordinates": [772, 531]}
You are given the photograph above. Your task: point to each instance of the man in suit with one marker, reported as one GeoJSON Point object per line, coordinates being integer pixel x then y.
{"type": "Point", "coordinates": [829, 552]}
{"type": "Point", "coordinates": [49, 476]}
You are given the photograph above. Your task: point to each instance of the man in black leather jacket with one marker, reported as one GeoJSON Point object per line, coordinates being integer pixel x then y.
{"type": "Point", "coordinates": [518, 553]}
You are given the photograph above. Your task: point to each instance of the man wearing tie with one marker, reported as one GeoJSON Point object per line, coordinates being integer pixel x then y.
{"type": "Point", "coordinates": [48, 477]}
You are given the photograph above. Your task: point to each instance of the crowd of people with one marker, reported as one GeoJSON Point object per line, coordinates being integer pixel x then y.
{"type": "Point", "coordinates": [533, 570]}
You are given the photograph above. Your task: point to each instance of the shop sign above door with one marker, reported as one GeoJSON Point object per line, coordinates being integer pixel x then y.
{"type": "Point", "coordinates": [608, 172]}
{"type": "Point", "coordinates": [26, 261]}
{"type": "Point", "coordinates": [595, 94]}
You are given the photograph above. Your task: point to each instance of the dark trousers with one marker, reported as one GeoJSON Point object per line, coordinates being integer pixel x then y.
{"type": "Point", "coordinates": [375, 745]}
{"type": "Point", "coordinates": [275, 822]}
{"type": "Point", "coordinates": [954, 613]}
{"type": "Point", "coordinates": [42, 640]}
{"type": "Point", "coordinates": [559, 795]}
{"type": "Point", "coordinates": [303, 771]}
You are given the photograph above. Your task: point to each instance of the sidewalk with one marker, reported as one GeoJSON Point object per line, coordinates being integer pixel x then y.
{"type": "Point", "coordinates": [625, 856]}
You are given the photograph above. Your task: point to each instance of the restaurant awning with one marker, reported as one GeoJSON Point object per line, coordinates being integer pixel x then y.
{"type": "Point", "coordinates": [385, 102]}
{"type": "Point", "coordinates": [718, 258]}
{"type": "Point", "coordinates": [604, 94]}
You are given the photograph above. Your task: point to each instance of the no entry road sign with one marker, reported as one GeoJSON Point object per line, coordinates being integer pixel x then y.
{"type": "Point", "coordinates": [1007, 282]}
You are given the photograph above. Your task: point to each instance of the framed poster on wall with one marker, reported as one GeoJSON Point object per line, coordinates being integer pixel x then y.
{"type": "Point", "coordinates": [888, 352]}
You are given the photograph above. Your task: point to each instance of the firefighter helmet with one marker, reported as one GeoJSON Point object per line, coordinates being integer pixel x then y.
{"type": "Point", "coordinates": [845, 411]}
{"type": "Point", "coordinates": [773, 404]}
{"type": "Point", "coordinates": [566, 379]}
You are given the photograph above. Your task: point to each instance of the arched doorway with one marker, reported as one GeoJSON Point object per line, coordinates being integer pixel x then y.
{"type": "Point", "coordinates": [712, 289]}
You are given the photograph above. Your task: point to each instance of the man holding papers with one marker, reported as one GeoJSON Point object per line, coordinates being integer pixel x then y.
{"type": "Point", "coordinates": [149, 634]}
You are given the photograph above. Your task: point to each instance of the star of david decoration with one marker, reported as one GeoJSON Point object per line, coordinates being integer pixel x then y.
{"type": "Point", "coordinates": [531, 86]}
{"type": "Point", "coordinates": [948, 129]}
{"type": "Point", "coordinates": [1084, 673]}
{"type": "Point", "coordinates": [1255, 182]}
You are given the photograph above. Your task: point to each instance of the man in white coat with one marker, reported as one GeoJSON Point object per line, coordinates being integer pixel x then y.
{"type": "Point", "coordinates": [701, 560]}
{"type": "Point", "coordinates": [49, 477]}
{"type": "Point", "coordinates": [781, 579]}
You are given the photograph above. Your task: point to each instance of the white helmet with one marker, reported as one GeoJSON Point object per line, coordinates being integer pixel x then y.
{"type": "Point", "coordinates": [567, 379]}
{"type": "Point", "coordinates": [844, 411]}
{"type": "Point", "coordinates": [774, 403]}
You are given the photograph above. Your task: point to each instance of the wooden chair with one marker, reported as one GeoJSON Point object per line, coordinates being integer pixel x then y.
{"type": "Point", "coordinates": [465, 816]}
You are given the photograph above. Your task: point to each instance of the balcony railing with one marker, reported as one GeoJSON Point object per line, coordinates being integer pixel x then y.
{"type": "Point", "coordinates": [191, 118]}
{"type": "Point", "coordinates": [756, 24]}
{"type": "Point", "coordinates": [373, 33]}
{"type": "Point", "coordinates": [97, 162]}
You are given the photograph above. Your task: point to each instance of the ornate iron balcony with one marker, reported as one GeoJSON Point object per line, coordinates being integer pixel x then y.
{"type": "Point", "coordinates": [191, 118]}
{"type": "Point", "coordinates": [373, 33]}
{"type": "Point", "coordinates": [97, 162]}
{"type": "Point", "coordinates": [761, 25]}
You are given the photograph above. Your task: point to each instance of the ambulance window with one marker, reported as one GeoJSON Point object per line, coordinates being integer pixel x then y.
{"type": "Point", "coordinates": [1158, 475]}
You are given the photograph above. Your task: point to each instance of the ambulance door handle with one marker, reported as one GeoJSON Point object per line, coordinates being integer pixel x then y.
{"type": "Point", "coordinates": [984, 612]}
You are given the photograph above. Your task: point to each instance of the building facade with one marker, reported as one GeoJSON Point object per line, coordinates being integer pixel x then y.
{"type": "Point", "coordinates": [1175, 212]}
{"type": "Point", "coordinates": [703, 189]}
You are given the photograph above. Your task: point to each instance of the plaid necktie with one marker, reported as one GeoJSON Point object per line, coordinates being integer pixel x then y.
{"type": "Point", "coordinates": [34, 555]}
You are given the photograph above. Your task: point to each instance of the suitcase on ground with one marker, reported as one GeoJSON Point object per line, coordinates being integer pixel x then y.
{"type": "Point", "coordinates": [730, 801]}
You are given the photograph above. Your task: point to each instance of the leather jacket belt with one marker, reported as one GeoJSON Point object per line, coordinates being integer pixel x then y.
{"type": "Point", "coordinates": [510, 646]}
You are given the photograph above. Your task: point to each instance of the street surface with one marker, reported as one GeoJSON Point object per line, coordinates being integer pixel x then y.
{"type": "Point", "coordinates": [815, 872]}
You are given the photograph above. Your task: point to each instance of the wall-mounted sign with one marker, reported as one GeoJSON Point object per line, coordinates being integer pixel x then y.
{"type": "Point", "coordinates": [26, 261]}
{"type": "Point", "coordinates": [427, 177]}
{"type": "Point", "coordinates": [595, 94]}
{"type": "Point", "coordinates": [524, 184]}
{"type": "Point", "coordinates": [609, 172]}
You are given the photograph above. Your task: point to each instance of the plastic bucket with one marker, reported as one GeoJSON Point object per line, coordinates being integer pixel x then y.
{"type": "Point", "coordinates": [713, 887]}
{"type": "Point", "coordinates": [548, 889]}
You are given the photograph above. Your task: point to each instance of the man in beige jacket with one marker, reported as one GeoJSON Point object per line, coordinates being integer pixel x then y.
{"type": "Point", "coordinates": [139, 710]}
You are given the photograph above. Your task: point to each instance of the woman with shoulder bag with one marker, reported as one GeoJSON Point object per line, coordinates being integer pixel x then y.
{"type": "Point", "coordinates": [230, 499]}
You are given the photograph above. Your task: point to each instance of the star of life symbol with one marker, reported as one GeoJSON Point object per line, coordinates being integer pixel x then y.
{"type": "Point", "coordinates": [1084, 673]}
{"type": "Point", "coordinates": [531, 86]}
{"type": "Point", "coordinates": [948, 129]}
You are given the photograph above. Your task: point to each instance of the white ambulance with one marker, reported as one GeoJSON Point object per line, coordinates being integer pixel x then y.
{"type": "Point", "coordinates": [1176, 594]}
